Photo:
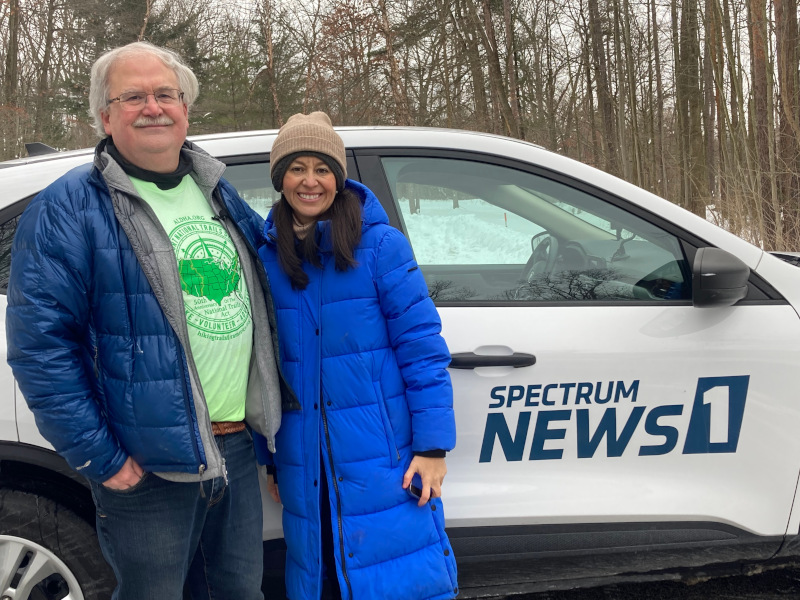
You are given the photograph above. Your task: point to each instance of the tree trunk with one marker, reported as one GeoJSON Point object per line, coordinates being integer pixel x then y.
{"type": "Point", "coordinates": [595, 137]}
{"type": "Point", "coordinates": [11, 78]}
{"type": "Point", "coordinates": [690, 105]}
{"type": "Point", "coordinates": [623, 140]}
{"type": "Point", "coordinates": [661, 166]}
{"type": "Point", "coordinates": [448, 92]}
{"type": "Point", "coordinates": [511, 72]}
{"type": "Point", "coordinates": [468, 28]}
{"type": "Point", "coordinates": [761, 123]}
{"type": "Point", "coordinates": [266, 32]}
{"type": "Point", "coordinates": [786, 40]}
{"type": "Point", "coordinates": [489, 41]}
{"type": "Point", "coordinates": [146, 19]}
{"type": "Point", "coordinates": [43, 91]}
{"type": "Point", "coordinates": [604, 100]}
{"type": "Point", "coordinates": [402, 115]}
{"type": "Point", "coordinates": [709, 107]}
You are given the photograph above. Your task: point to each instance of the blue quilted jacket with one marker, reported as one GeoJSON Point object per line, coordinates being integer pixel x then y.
{"type": "Point", "coordinates": [96, 329]}
{"type": "Point", "coordinates": [363, 352]}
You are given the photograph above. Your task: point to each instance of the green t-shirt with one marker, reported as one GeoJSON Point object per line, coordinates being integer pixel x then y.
{"type": "Point", "coordinates": [214, 294]}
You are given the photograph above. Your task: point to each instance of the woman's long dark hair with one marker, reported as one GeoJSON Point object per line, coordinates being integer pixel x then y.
{"type": "Point", "coordinates": [345, 223]}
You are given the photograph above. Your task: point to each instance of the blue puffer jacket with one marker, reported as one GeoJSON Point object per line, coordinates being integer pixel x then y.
{"type": "Point", "coordinates": [98, 354]}
{"type": "Point", "coordinates": [362, 351]}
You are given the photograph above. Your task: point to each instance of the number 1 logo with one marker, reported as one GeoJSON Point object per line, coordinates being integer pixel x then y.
{"type": "Point", "coordinates": [717, 415]}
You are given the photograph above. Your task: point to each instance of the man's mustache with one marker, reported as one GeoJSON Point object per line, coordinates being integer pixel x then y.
{"type": "Point", "coordinates": [153, 121]}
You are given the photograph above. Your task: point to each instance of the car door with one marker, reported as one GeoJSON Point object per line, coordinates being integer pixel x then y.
{"type": "Point", "coordinates": [598, 411]}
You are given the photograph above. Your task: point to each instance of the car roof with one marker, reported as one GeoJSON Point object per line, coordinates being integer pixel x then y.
{"type": "Point", "coordinates": [23, 177]}
{"type": "Point", "coordinates": [250, 142]}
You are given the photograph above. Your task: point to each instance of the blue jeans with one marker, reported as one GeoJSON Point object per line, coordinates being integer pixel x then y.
{"type": "Point", "coordinates": [159, 534]}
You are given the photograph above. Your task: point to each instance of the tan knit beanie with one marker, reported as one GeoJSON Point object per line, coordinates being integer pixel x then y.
{"type": "Point", "coordinates": [307, 135]}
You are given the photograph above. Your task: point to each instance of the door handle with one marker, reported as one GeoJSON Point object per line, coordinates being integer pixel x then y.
{"type": "Point", "coordinates": [470, 360]}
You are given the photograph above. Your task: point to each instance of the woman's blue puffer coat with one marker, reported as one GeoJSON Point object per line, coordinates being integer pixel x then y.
{"type": "Point", "coordinates": [363, 352]}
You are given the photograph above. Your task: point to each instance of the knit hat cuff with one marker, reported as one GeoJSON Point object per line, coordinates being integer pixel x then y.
{"type": "Point", "coordinates": [307, 140]}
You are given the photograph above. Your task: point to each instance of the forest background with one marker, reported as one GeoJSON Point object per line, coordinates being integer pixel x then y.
{"type": "Point", "coordinates": [697, 101]}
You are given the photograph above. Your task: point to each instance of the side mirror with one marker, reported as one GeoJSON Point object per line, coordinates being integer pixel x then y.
{"type": "Point", "coordinates": [718, 278]}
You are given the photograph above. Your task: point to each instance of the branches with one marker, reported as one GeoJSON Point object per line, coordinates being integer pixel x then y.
{"type": "Point", "coordinates": [688, 99]}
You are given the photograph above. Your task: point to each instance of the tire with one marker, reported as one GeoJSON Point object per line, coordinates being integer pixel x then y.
{"type": "Point", "coordinates": [49, 552]}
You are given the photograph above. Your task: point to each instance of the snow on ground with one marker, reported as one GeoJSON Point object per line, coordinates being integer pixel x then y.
{"type": "Point", "coordinates": [474, 233]}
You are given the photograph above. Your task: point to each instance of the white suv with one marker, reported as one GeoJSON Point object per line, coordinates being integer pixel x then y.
{"type": "Point", "coordinates": [625, 372]}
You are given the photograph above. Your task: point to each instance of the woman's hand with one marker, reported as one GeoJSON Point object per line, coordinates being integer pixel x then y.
{"type": "Point", "coordinates": [272, 488]}
{"type": "Point", "coordinates": [431, 472]}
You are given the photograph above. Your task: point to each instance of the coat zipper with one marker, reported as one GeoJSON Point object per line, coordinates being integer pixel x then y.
{"type": "Point", "coordinates": [96, 360]}
{"type": "Point", "coordinates": [336, 491]}
{"type": "Point", "coordinates": [330, 452]}
{"type": "Point", "coordinates": [188, 408]}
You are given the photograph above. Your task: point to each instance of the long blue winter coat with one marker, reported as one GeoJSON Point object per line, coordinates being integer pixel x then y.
{"type": "Point", "coordinates": [362, 351]}
{"type": "Point", "coordinates": [97, 330]}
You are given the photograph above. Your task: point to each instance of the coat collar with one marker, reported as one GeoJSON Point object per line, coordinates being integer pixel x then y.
{"type": "Point", "coordinates": [206, 171]}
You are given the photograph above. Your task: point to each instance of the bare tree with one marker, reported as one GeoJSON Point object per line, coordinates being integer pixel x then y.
{"type": "Point", "coordinates": [11, 78]}
{"type": "Point", "coordinates": [696, 100]}
{"type": "Point", "coordinates": [762, 125]}
{"type": "Point", "coordinates": [515, 125]}
{"type": "Point", "coordinates": [402, 115]}
{"type": "Point", "coordinates": [788, 64]}
{"type": "Point", "coordinates": [265, 22]}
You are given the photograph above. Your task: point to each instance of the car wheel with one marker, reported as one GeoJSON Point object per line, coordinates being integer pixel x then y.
{"type": "Point", "coordinates": [47, 552]}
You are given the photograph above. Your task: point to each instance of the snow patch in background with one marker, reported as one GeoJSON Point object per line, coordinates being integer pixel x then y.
{"type": "Point", "coordinates": [476, 233]}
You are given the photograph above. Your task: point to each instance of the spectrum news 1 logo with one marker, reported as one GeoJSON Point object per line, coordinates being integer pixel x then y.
{"type": "Point", "coordinates": [714, 425]}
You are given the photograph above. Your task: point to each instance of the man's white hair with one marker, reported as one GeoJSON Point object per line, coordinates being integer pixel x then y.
{"type": "Point", "coordinates": [99, 88]}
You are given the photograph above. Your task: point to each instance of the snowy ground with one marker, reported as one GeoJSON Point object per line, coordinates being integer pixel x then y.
{"type": "Point", "coordinates": [474, 233]}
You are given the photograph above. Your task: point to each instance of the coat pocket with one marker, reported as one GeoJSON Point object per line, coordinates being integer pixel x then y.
{"type": "Point", "coordinates": [394, 453]}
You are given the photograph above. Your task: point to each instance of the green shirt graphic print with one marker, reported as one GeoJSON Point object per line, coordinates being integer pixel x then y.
{"type": "Point", "coordinates": [214, 294]}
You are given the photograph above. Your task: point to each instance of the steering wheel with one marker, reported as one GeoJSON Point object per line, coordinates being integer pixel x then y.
{"type": "Point", "coordinates": [543, 256]}
{"type": "Point", "coordinates": [574, 257]}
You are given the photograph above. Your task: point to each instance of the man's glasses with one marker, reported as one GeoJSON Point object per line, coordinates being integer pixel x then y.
{"type": "Point", "coordinates": [137, 100]}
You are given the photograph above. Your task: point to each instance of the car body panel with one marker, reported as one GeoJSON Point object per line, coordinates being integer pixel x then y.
{"type": "Point", "coordinates": [558, 486]}
{"type": "Point", "coordinates": [8, 410]}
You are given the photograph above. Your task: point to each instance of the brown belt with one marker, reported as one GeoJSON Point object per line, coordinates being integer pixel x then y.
{"type": "Point", "coordinates": [226, 427]}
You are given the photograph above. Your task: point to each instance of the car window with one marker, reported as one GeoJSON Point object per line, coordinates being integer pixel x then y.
{"type": "Point", "coordinates": [254, 185]}
{"type": "Point", "coordinates": [7, 231]}
{"type": "Point", "coordinates": [484, 232]}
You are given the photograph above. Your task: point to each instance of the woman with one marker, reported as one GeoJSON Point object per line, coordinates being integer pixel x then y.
{"type": "Point", "coordinates": [360, 347]}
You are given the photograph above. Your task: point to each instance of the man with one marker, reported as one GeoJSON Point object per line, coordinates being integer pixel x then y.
{"type": "Point", "coordinates": [139, 333]}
